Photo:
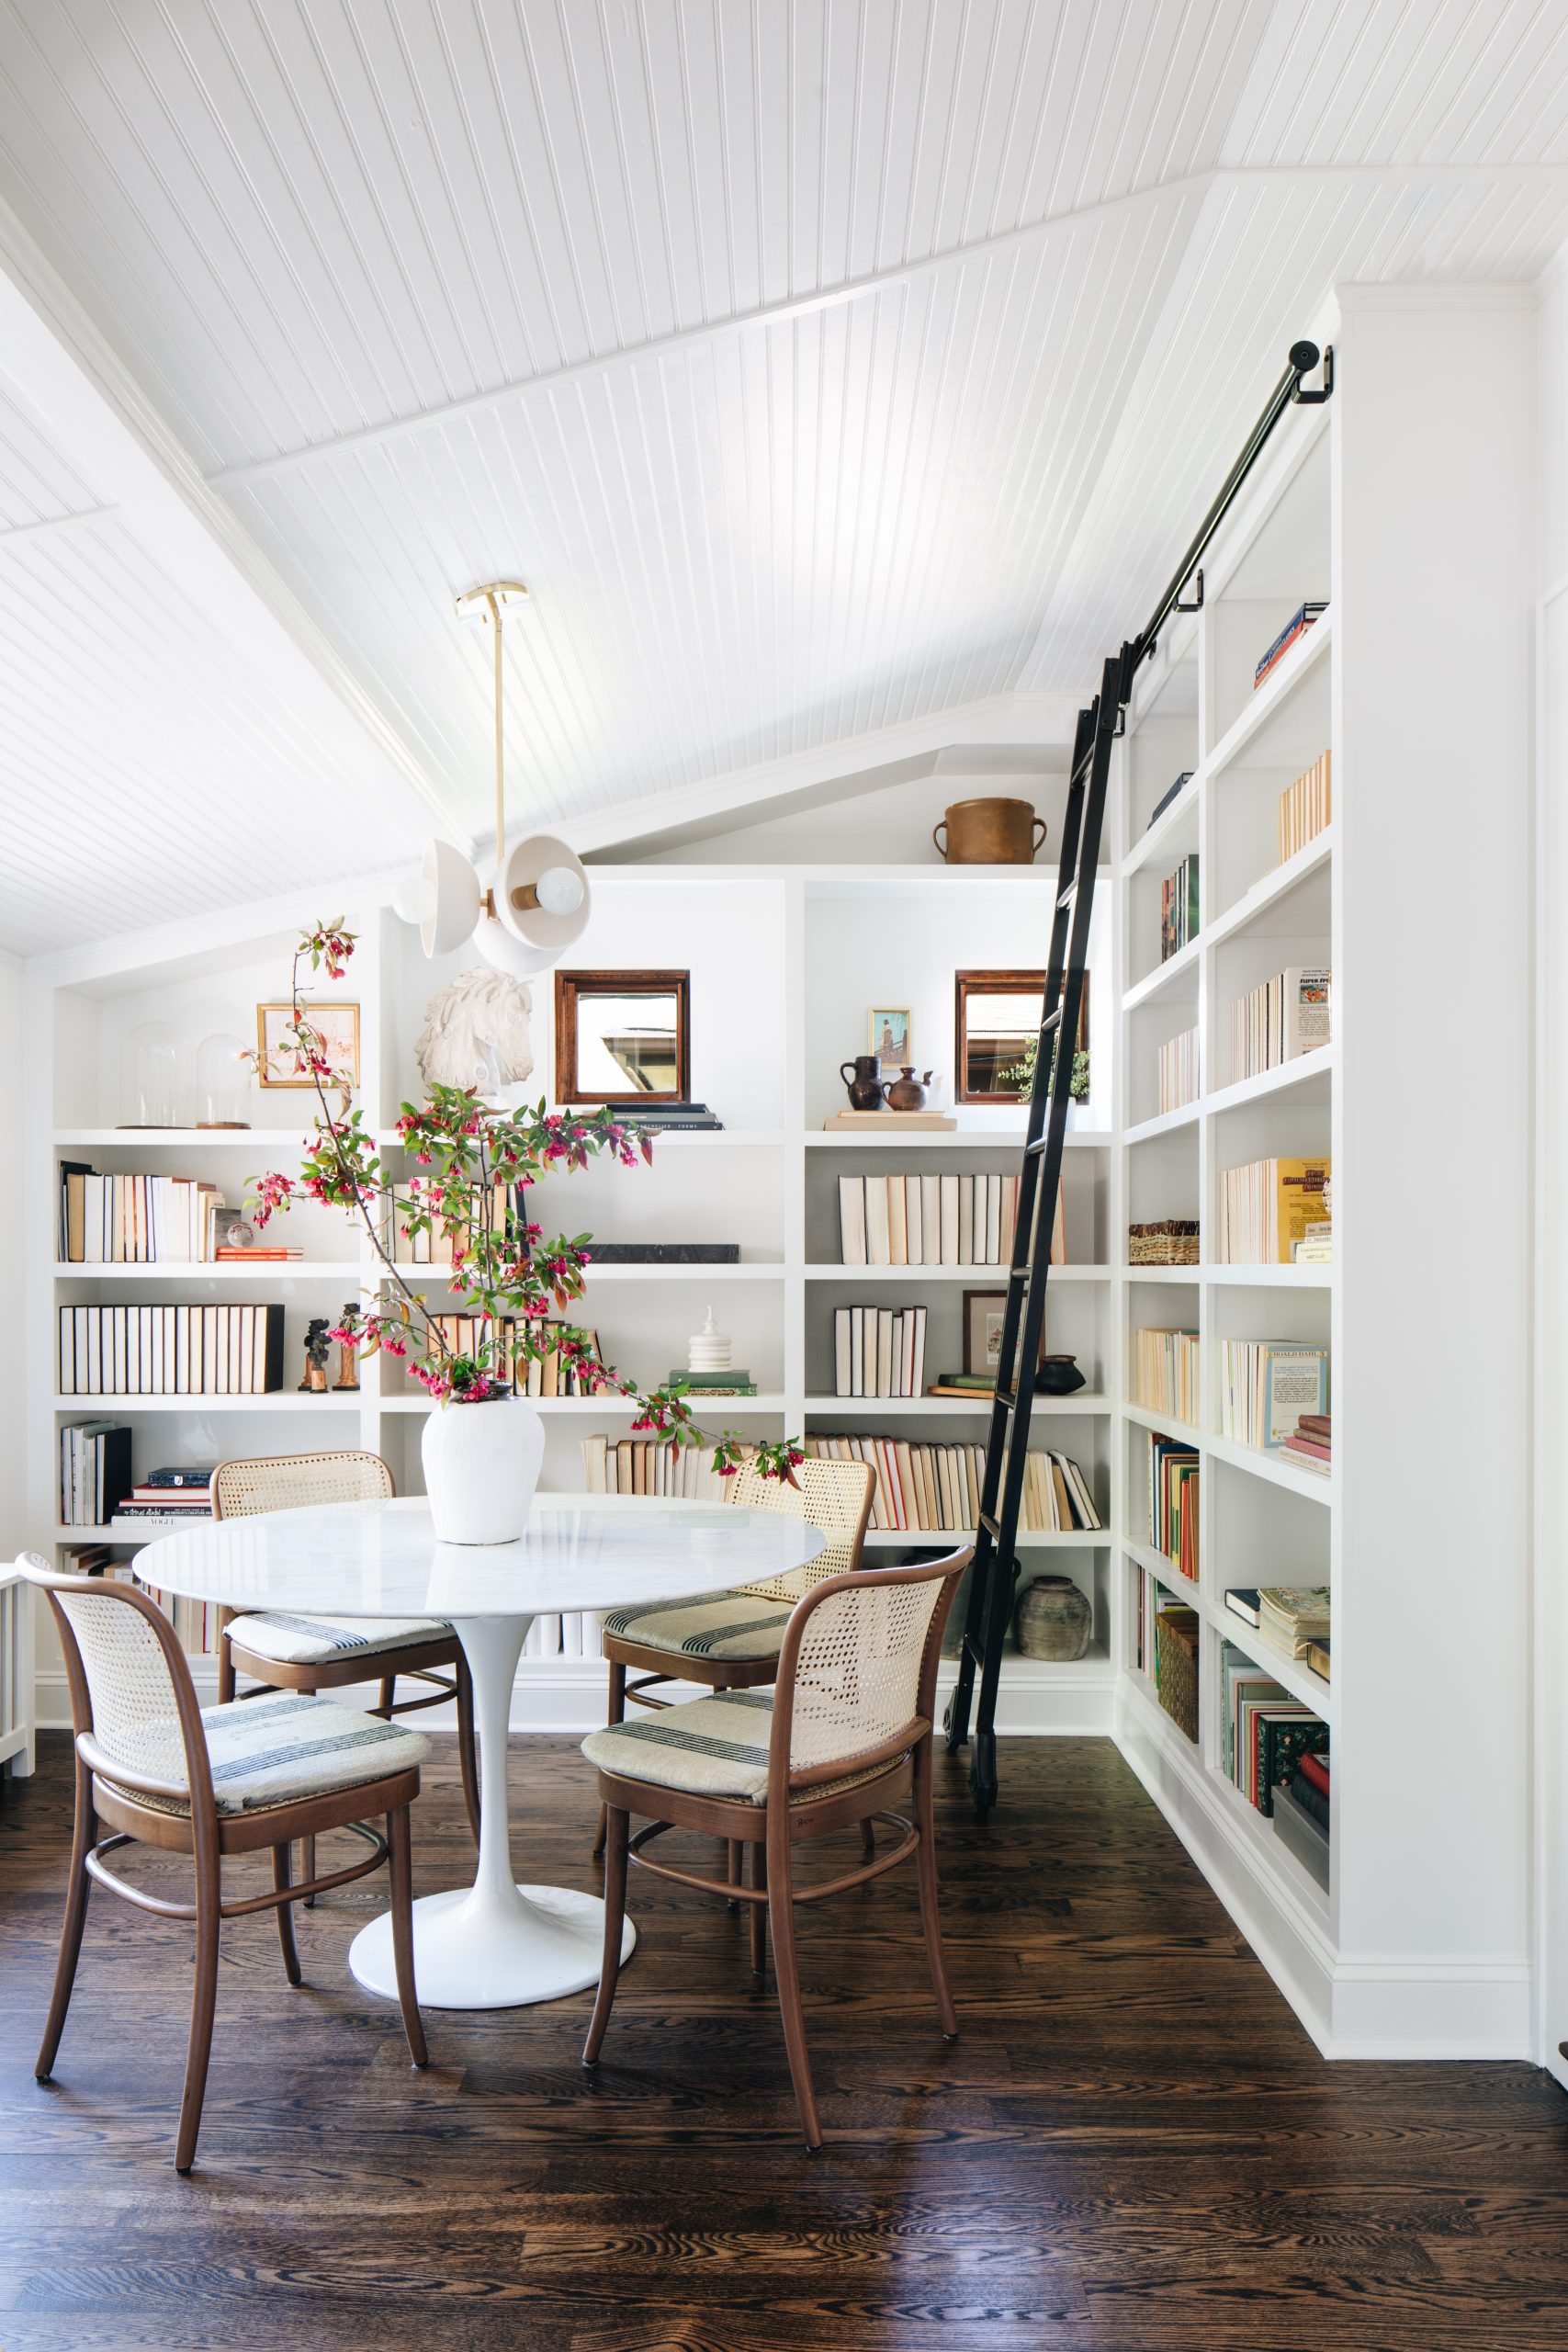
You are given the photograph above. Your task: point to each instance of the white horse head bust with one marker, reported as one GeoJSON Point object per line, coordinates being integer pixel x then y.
{"type": "Point", "coordinates": [476, 1032]}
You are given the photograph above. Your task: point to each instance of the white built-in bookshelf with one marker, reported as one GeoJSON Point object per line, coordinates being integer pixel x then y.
{"type": "Point", "coordinates": [1418, 1945]}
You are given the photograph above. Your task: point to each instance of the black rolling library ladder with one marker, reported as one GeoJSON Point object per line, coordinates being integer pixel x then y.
{"type": "Point", "coordinates": [1023, 1322]}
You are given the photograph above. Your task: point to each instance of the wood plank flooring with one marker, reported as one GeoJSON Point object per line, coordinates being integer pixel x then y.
{"type": "Point", "coordinates": [1132, 2148]}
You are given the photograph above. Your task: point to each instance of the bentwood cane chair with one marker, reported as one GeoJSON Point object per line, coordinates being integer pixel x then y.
{"type": "Point", "coordinates": [730, 1640]}
{"type": "Point", "coordinates": [847, 1729]}
{"type": "Point", "coordinates": [154, 1767]}
{"type": "Point", "coordinates": [281, 1652]}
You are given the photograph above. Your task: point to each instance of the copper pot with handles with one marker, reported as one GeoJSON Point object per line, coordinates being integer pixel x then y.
{"type": "Point", "coordinates": [989, 832]}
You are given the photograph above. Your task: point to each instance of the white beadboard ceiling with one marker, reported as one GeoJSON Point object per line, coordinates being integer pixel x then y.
{"type": "Point", "coordinates": [830, 368]}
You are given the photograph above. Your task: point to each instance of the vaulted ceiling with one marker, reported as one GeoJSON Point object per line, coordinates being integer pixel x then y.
{"type": "Point", "coordinates": [828, 368]}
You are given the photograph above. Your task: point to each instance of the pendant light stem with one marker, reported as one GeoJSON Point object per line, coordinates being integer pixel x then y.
{"type": "Point", "coordinates": [500, 748]}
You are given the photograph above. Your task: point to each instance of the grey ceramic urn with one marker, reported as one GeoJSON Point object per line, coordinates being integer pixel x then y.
{"type": "Point", "coordinates": [1053, 1619]}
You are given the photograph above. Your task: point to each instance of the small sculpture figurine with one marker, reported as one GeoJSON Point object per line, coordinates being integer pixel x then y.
{"type": "Point", "coordinates": [317, 1351]}
{"type": "Point", "coordinates": [708, 1350]}
{"type": "Point", "coordinates": [347, 1368]}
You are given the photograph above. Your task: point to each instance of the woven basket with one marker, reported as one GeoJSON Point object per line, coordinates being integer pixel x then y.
{"type": "Point", "coordinates": [1173, 1242]}
{"type": "Point", "coordinates": [1175, 1667]}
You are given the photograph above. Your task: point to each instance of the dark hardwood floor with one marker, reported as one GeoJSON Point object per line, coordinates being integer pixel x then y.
{"type": "Point", "coordinates": [1132, 2147]}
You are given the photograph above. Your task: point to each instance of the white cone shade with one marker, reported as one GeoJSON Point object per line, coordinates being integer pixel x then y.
{"type": "Point", "coordinates": [536, 927]}
{"type": "Point", "coordinates": [452, 894]}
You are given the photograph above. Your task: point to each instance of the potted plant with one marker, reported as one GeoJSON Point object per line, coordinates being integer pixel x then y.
{"type": "Point", "coordinates": [481, 1466]}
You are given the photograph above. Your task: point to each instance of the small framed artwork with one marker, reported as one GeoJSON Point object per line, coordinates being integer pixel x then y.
{"type": "Point", "coordinates": [888, 1038]}
{"type": "Point", "coordinates": [983, 1313]}
{"type": "Point", "coordinates": [623, 1036]}
{"type": "Point", "coordinates": [278, 1062]}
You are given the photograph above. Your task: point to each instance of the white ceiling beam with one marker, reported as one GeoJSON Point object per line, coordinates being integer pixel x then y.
{"type": "Point", "coordinates": [1417, 176]}
{"type": "Point", "coordinates": [63, 371]}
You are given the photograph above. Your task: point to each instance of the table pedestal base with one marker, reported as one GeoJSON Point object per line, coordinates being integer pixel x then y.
{"type": "Point", "coordinates": [474, 1949]}
{"type": "Point", "coordinates": [494, 1945]}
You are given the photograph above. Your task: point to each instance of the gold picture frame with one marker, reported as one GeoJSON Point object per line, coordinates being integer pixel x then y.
{"type": "Point", "coordinates": [896, 1023]}
{"type": "Point", "coordinates": [339, 1025]}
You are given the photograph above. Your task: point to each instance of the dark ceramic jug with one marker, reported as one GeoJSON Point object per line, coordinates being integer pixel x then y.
{"type": "Point", "coordinates": [863, 1079]}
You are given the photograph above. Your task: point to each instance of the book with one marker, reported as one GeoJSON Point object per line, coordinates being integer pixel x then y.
{"type": "Point", "coordinates": [1165, 1372]}
{"type": "Point", "coordinates": [879, 1350]}
{"type": "Point", "coordinates": [1177, 1071]}
{"type": "Point", "coordinates": [1266, 1206]}
{"type": "Point", "coordinates": [1306, 1838]}
{"type": "Point", "coordinates": [1179, 909]}
{"type": "Point", "coordinates": [1316, 1769]}
{"type": "Point", "coordinates": [1306, 808]}
{"type": "Point", "coordinates": [163, 1351]}
{"type": "Point", "coordinates": [1316, 1656]}
{"type": "Point", "coordinates": [1280, 1018]}
{"type": "Point", "coordinates": [1242, 1602]}
{"type": "Point", "coordinates": [1172, 1501]}
{"type": "Point", "coordinates": [1292, 1615]}
{"type": "Point", "coordinates": [1301, 620]}
{"type": "Point", "coordinates": [94, 1472]}
{"type": "Point", "coordinates": [935, 1489]}
{"type": "Point", "coordinates": [1265, 1384]}
{"type": "Point", "coordinates": [1172, 792]}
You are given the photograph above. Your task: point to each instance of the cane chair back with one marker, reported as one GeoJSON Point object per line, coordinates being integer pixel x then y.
{"type": "Point", "coordinates": [834, 1496]}
{"type": "Point", "coordinates": [860, 1656]}
{"type": "Point", "coordinates": [127, 1668]}
{"type": "Point", "coordinates": [299, 1482]}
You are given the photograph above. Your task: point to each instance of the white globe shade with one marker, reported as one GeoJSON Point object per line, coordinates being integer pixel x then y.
{"type": "Point", "coordinates": [508, 954]}
{"type": "Point", "coordinates": [551, 927]}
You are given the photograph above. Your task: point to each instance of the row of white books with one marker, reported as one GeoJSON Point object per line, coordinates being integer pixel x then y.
{"type": "Point", "coordinates": [128, 1219]}
{"type": "Point", "coordinates": [1269, 1205]}
{"type": "Point", "coordinates": [932, 1221]}
{"type": "Point", "coordinates": [571, 1633]}
{"type": "Point", "coordinates": [1280, 1018]}
{"type": "Point", "coordinates": [641, 1465]}
{"type": "Point", "coordinates": [1306, 808]}
{"type": "Point", "coordinates": [1266, 1386]}
{"type": "Point", "coordinates": [228, 1350]}
{"type": "Point", "coordinates": [937, 1488]}
{"type": "Point", "coordinates": [1165, 1372]}
{"type": "Point", "coordinates": [508, 1208]}
{"type": "Point", "coordinates": [547, 1375]}
{"type": "Point", "coordinates": [1178, 1072]}
{"type": "Point", "coordinates": [878, 1352]}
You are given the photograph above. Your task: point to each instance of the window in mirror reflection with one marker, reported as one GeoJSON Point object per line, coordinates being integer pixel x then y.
{"type": "Point", "coordinates": [997, 1022]}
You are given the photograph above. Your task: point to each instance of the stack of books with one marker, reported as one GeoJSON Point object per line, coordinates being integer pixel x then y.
{"type": "Point", "coordinates": [1172, 792]}
{"type": "Point", "coordinates": [1173, 1241]}
{"type": "Point", "coordinates": [1296, 627]}
{"type": "Point", "coordinates": [1267, 1207]}
{"type": "Point", "coordinates": [1178, 1072]}
{"type": "Point", "coordinates": [666, 1118]}
{"type": "Point", "coordinates": [175, 1498]}
{"type": "Point", "coordinates": [1303, 1814]}
{"type": "Point", "coordinates": [1309, 1444]}
{"type": "Point", "coordinates": [1173, 1502]}
{"type": "Point", "coordinates": [938, 1487]}
{"type": "Point", "coordinates": [934, 1221]}
{"type": "Point", "coordinates": [124, 1219]}
{"type": "Point", "coordinates": [1279, 1019]}
{"type": "Point", "coordinates": [879, 1353]}
{"type": "Point", "coordinates": [1266, 1384]}
{"type": "Point", "coordinates": [1292, 1616]}
{"type": "Point", "coordinates": [1179, 909]}
{"type": "Point", "coordinates": [1165, 1372]}
{"type": "Point", "coordinates": [94, 1472]}
{"type": "Point", "coordinates": [699, 1385]}
{"type": "Point", "coordinates": [1304, 807]}
{"type": "Point", "coordinates": [1263, 1729]}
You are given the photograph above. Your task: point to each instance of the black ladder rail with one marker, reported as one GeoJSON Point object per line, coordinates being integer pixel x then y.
{"type": "Point", "coordinates": [1029, 1251]}
{"type": "Point", "coordinates": [1023, 1322]}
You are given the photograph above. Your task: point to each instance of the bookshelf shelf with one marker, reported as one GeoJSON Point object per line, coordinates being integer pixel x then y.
{"type": "Point", "coordinates": [434, 1277]}
{"type": "Point", "coordinates": [1309, 1076]}
{"type": "Point", "coordinates": [1171, 836]}
{"type": "Point", "coordinates": [270, 1400]}
{"type": "Point", "coordinates": [1162, 1425]}
{"type": "Point", "coordinates": [977, 1276]}
{"type": "Point", "coordinates": [1179, 970]}
{"type": "Point", "coordinates": [259, 1142]}
{"type": "Point", "coordinates": [1165, 1123]}
{"type": "Point", "coordinates": [945, 1408]}
{"type": "Point", "coordinates": [1028, 1540]}
{"type": "Point", "coordinates": [603, 1408]}
{"type": "Point", "coordinates": [201, 1270]}
{"type": "Point", "coordinates": [1269, 1277]}
{"type": "Point", "coordinates": [1270, 705]}
{"type": "Point", "coordinates": [1010, 1139]}
{"type": "Point", "coordinates": [1273, 892]}
{"type": "Point", "coordinates": [1259, 1464]}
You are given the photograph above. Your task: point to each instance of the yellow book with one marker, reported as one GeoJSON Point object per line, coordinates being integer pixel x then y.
{"type": "Point", "coordinates": [1298, 1202]}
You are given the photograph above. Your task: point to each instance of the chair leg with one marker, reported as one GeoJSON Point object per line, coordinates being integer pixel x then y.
{"type": "Point", "coordinates": [280, 1879]}
{"type": "Point", "coordinates": [868, 1839]}
{"type": "Point", "coordinates": [225, 1669]}
{"type": "Point", "coordinates": [786, 1970]}
{"type": "Point", "coordinates": [388, 1695]}
{"type": "Point", "coordinates": [466, 1762]}
{"type": "Point", "coordinates": [931, 1918]}
{"type": "Point", "coordinates": [733, 1868]}
{"type": "Point", "coordinates": [617, 1831]}
{"type": "Point", "coordinates": [759, 1910]}
{"type": "Point", "coordinates": [78, 1888]}
{"type": "Point", "coordinates": [204, 2001]}
{"type": "Point", "coordinates": [308, 1868]}
{"type": "Point", "coordinates": [617, 1714]}
{"type": "Point", "coordinates": [400, 1867]}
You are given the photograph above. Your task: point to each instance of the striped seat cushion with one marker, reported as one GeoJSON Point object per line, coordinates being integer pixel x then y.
{"type": "Point", "coordinates": [277, 1750]}
{"type": "Point", "coordinates": [710, 1747]}
{"type": "Point", "coordinates": [719, 1625]}
{"type": "Point", "coordinates": [312, 1641]}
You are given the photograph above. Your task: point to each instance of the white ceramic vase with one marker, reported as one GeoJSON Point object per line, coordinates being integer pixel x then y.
{"type": "Point", "coordinates": [481, 1465]}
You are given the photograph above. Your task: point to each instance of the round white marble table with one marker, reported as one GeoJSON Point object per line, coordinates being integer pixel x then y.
{"type": "Point", "coordinates": [494, 1945]}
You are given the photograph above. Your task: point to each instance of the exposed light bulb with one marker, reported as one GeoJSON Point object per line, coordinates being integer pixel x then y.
{"type": "Point", "coordinates": [560, 890]}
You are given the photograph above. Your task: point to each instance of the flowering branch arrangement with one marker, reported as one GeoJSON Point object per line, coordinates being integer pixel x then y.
{"type": "Point", "coordinates": [516, 1283]}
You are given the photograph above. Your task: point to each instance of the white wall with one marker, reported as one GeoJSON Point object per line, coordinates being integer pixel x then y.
{"type": "Point", "coordinates": [1552, 1170]}
{"type": "Point", "coordinates": [12, 1356]}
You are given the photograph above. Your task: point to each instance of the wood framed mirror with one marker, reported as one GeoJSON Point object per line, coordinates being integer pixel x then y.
{"type": "Point", "coordinates": [623, 1036]}
{"type": "Point", "coordinates": [996, 1018]}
